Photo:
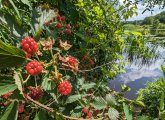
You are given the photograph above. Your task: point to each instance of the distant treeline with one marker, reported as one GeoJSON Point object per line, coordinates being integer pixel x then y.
{"type": "Point", "coordinates": [149, 20]}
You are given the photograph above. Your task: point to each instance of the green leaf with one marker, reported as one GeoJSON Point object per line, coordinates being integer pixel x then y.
{"type": "Point", "coordinates": [18, 81]}
{"type": "Point", "coordinates": [113, 113]}
{"type": "Point", "coordinates": [163, 68]}
{"type": "Point", "coordinates": [10, 56]}
{"type": "Point", "coordinates": [144, 118]}
{"type": "Point", "coordinates": [7, 84]}
{"type": "Point", "coordinates": [11, 112]}
{"type": "Point", "coordinates": [162, 115]}
{"type": "Point", "coordinates": [110, 99]}
{"type": "Point", "coordinates": [77, 112]}
{"type": "Point", "coordinates": [59, 117]}
{"type": "Point", "coordinates": [99, 103]}
{"type": "Point", "coordinates": [127, 112]}
{"type": "Point", "coordinates": [80, 81]}
{"type": "Point", "coordinates": [26, 2]}
{"type": "Point", "coordinates": [41, 115]}
{"type": "Point", "coordinates": [48, 86]}
{"type": "Point", "coordinates": [73, 98]}
{"type": "Point", "coordinates": [39, 18]}
{"type": "Point", "coordinates": [162, 102]}
{"type": "Point", "coordinates": [7, 88]}
{"type": "Point", "coordinates": [88, 86]}
{"type": "Point", "coordinates": [125, 88]}
{"type": "Point", "coordinates": [138, 103]}
{"type": "Point", "coordinates": [15, 8]}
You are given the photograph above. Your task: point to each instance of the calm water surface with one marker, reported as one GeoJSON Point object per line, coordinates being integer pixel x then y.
{"type": "Point", "coordinates": [137, 77]}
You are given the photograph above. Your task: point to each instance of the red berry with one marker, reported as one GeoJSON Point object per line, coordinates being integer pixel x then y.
{"type": "Point", "coordinates": [58, 25]}
{"type": "Point", "coordinates": [71, 61]}
{"type": "Point", "coordinates": [5, 104]}
{"type": "Point", "coordinates": [21, 108]}
{"type": "Point", "coordinates": [65, 87]}
{"type": "Point", "coordinates": [30, 87]}
{"type": "Point", "coordinates": [29, 45]}
{"type": "Point", "coordinates": [34, 68]}
{"type": "Point", "coordinates": [85, 110]}
{"type": "Point", "coordinates": [62, 18]}
{"type": "Point", "coordinates": [58, 17]}
{"type": "Point", "coordinates": [36, 93]}
{"type": "Point", "coordinates": [68, 26]}
{"type": "Point", "coordinates": [7, 95]}
{"type": "Point", "coordinates": [68, 31]}
{"type": "Point", "coordinates": [97, 112]}
{"type": "Point", "coordinates": [89, 114]}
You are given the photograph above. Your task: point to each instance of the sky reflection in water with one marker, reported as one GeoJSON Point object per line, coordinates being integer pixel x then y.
{"type": "Point", "coordinates": [137, 78]}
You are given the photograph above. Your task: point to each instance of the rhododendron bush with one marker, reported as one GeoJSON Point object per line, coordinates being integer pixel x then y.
{"type": "Point", "coordinates": [57, 58]}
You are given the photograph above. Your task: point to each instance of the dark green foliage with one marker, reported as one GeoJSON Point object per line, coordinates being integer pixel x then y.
{"type": "Point", "coordinates": [10, 56]}
{"type": "Point", "coordinates": [152, 96]}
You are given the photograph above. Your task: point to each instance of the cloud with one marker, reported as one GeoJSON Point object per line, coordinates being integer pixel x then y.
{"type": "Point", "coordinates": [135, 75]}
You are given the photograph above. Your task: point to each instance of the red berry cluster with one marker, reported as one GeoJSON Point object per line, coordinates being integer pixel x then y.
{"type": "Point", "coordinates": [60, 18]}
{"type": "Point", "coordinates": [35, 93]}
{"type": "Point", "coordinates": [71, 61]}
{"type": "Point", "coordinates": [86, 112]}
{"type": "Point", "coordinates": [7, 95]}
{"type": "Point", "coordinates": [65, 87]}
{"type": "Point", "coordinates": [48, 22]}
{"type": "Point", "coordinates": [34, 68]}
{"type": "Point", "coordinates": [96, 112]}
{"type": "Point", "coordinates": [29, 45]}
{"type": "Point", "coordinates": [68, 31]}
{"type": "Point", "coordinates": [59, 25]}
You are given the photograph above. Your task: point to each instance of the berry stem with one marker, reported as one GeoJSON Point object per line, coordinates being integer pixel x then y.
{"type": "Point", "coordinates": [51, 52]}
{"type": "Point", "coordinates": [37, 57]}
{"type": "Point", "coordinates": [29, 59]}
{"type": "Point", "coordinates": [26, 79]}
{"type": "Point", "coordinates": [35, 81]}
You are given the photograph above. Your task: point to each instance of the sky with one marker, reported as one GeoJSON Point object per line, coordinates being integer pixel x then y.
{"type": "Point", "coordinates": [141, 8]}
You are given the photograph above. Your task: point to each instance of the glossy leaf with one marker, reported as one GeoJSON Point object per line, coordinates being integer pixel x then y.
{"type": "Point", "coordinates": [73, 98]}
{"type": "Point", "coordinates": [7, 88]}
{"type": "Point", "coordinates": [11, 112]}
{"type": "Point", "coordinates": [10, 56]}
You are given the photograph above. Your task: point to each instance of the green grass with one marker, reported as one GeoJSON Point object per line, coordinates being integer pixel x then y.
{"type": "Point", "coordinates": [145, 29]}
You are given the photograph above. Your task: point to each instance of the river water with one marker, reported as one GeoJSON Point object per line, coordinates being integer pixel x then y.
{"type": "Point", "coordinates": [137, 77]}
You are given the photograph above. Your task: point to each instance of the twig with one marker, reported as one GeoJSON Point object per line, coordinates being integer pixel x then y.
{"type": "Point", "coordinates": [39, 104]}
{"type": "Point", "coordinates": [26, 79]}
{"type": "Point", "coordinates": [51, 110]}
{"type": "Point", "coordinates": [95, 67]}
{"type": "Point", "coordinates": [85, 70]}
